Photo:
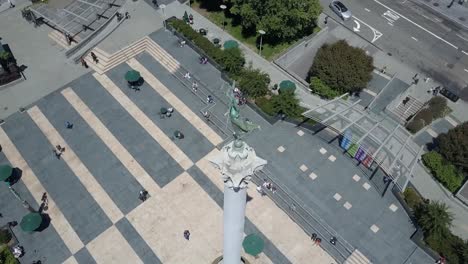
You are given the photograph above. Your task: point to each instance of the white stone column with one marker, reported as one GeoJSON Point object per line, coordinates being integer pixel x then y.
{"type": "Point", "coordinates": [237, 162]}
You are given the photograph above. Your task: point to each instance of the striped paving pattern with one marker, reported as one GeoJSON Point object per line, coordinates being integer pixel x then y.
{"type": "Point", "coordinates": [160, 220]}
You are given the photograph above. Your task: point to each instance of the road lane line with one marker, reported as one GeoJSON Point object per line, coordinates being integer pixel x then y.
{"type": "Point", "coordinates": [460, 36]}
{"type": "Point", "coordinates": [390, 24]}
{"type": "Point", "coordinates": [414, 38]}
{"type": "Point", "coordinates": [434, 35]}
{"type": "Point", "coordinates": [466, 70]}
{"type": "Point", "coordinates": [464, 52]}
{"type": "Point", "coordinates": [367, 9]}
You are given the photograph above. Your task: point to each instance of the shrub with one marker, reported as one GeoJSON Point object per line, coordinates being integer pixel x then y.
{"type": "Point", "coordinates": [342, 67]}
{"type": "Point", "coordinates": [434, 218]}
{"type": "Point", "coordinates": [453, 145]}
{"type": "Point", "coordinates": [5, 236]}
{"type": "Point", "coordinates": [286, 103]}
{"type": "Point", "coordinates": [444, 172]}
{"type": "Point", "coordinates": [232, 61]}
{"type": "Point", "coordinates": [266, 105]}
{"type": "Point", "coordinates": [438, 106]}
{"type": "Point", "coordinates": [6, 257]}
{"type": "Point", "coordinates": [254, 83]}
{"type": "Point", "coordinates": [425, 115]}
{"type": "Point", "coordinates": [412, 198]}
{"type": "Point", "coordinates": [321, 89]}
{"type": "Point", "coordinates": [415, 125]}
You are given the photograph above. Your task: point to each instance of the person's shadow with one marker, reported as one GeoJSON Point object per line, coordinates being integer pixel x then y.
{"type": "Point", "coordinates": [16, 175]}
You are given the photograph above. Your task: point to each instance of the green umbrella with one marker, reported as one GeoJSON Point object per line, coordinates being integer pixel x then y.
{"type": "Point", "coordinates": [31, 222]}
{"type": "Point", "coordinates": [132, 76]}
{"type": "Point", "coordinates": [5, 172]}
{"type": "Point", "coordinates": [287, 85]}
{"type": "Point", "coordinates": [230, 44]}
{"type": "Point", "coordinates": [253, 244]}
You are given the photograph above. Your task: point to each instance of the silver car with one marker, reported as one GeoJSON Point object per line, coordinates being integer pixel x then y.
{"type": "Point", "coordinates": [341, 10]}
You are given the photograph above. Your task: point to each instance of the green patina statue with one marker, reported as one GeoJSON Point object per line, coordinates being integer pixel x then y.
{"type": "Point", "coordinates": [242, 124]}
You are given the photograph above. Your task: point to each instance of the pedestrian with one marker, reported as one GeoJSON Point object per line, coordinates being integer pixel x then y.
{"type": "Point", "coordinates": [143, 195]}
{"type": "Point", "coordinates": [326, 20]}
{"type": "Point", "coordinates": [68, 125]}
{"type": "Point", "coordinates": [187, 76]}
{"type": "Point", "coordinates": [333, 240]}
{"type": "Point", "coordinates": [155, 3]}
{"type": "Point", "coordinates": [84, 63]}
{"type": "Point", "coordinates": [1, 215]}
{"type": "Point", "coordinates": [95, 58]}
{"type": "Point", "coordinates": [260, 190]}
{"type": "Point", "coordinates": [195, 86]}
{"type": "Point", "coordinates": [441, 260]}
{"type": "Point", "coordinates": [273, 189]}
{"type": "Point", "coordinates": [127, 15]}
{"type": "Point", "coordinates": [384, 69]}
{"type": "Point", "coordinates": [206, 114]}
{"type": "Point", "coordinates": [318, 241]}
{"type": "Point", "coordinates": [313, 237]}
{"type": "Point", "coordinates": [11, 4]}
{"type": "Point", "coordinates": [187, 234]}
{"type": "Point", "coordinates": [57, 153]}
{"type": "Point", "coordinates": [209, 99]}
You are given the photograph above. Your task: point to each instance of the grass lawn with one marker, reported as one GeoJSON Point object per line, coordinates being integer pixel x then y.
{"type": "Point", "coordinates": [268, 51]}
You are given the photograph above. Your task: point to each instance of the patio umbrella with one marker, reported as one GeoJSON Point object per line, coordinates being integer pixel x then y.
{"type": "Point", "coordinates": [230, 44]}
{"type": "Point", "coordinates": [31, 222]}
{"type": "Point", "coordinates": [287, 85]}
{"type": "Point", "coordinates": [253, 244]}
{"type": "Point", "coordinates": [132, 76]}
{"type": "Point", "coordinates": [5, 172]}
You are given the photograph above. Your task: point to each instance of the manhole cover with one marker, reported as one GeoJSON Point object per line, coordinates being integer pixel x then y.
{"type": "Point", "coordinates": [450, 66]}
{"type": "Point", "coordinates": [436, 4]}
{"type": "Point", "coordinates": [462, 19]}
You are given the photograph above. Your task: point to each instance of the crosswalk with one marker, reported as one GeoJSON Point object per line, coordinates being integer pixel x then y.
{"type": "Point", "coordinates": [171, 208]}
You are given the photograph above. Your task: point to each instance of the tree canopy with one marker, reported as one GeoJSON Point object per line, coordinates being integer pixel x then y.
{"type": "Point", "coordinates": [253, 82]}
{"type": "Point", "coordinates": [342, 67]}
{"type": "Point", "coordinates": [286, 103]}
{"type": "Point", "coordinates": [453, 145]}
{"type": "Point", "coordinates": [281, 19]}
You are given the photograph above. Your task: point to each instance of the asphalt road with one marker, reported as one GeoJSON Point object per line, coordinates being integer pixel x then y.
{"type": "Point", "coordinates": [437, 47]}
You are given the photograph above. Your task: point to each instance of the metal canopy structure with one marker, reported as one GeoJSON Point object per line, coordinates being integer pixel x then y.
{"type": "Point", "coordinates": [78, 18]}
{"type": "Point", "coordinates": [374, 140]}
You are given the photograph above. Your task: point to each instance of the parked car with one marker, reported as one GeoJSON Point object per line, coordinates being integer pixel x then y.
{"type": "Point", "coordinates": [450, 95]}
{"type": "Point", "coordinates": [341, 10]}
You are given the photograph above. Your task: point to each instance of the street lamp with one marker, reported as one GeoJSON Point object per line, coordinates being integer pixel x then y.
{"type": "Point", "coordinates": [262, 32]}
{"type": "Point", "coordinates": [163, 6]}
{"type": "Point", "coordinates": [223, 7]}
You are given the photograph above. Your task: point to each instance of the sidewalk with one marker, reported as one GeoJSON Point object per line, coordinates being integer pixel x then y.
{"type": "Point", "coordinates": [422, 180]}
{"type": "Point", "coordinates": [456, 13]}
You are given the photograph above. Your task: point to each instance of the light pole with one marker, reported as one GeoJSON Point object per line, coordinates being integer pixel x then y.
{"type": "Point", "coordinates": [262, 32]}
{"type": "Point", "coordinates": [163, 6]}
{"type": "Point", "coordinates": [223, 7]}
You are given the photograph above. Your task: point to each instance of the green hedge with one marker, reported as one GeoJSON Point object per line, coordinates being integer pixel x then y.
{"type": "Point", "coordinates": [321, 89]}
{"type": "Point", "coordinates": [444, 172]}
{"type": "Point", "coordinates": [412, 198]}
{"type": "Point", "coordinates": [232, 60]}
{"type": "Point", "coordinates": [5, 236]}
{"type": "Point", "coordinates": [6, 257]}
{"type": "Point", "coordinates": [266, 105]}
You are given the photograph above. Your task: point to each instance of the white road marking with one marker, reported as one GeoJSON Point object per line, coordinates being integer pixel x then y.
{"type": "Point", "coordinates": [464, 52]}
{"type": "Point", "coordinates": [434, 35]}
{"type": "Point", "coordinates": [466, 70]}
{"type": "Point", "coordinates": [377, 34]}
{"type": "Point", "coordinates": [390, 24]}
{"type": "Point", "coordinates": [367, 9]}
{"type": "Point", "coordinates": [358, 26]}
{"type": "Point", "coordinates": [460, 36]}
{"type": "Point", "coordinates": [414, 38]}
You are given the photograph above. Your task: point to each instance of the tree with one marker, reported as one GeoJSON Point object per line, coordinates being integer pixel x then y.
{"type": "Point", "coordinates": [283, 20]}
{"type": "Point", "coordinates": [453, 145]}
{"type": "Point", "coordinates": [4, 57]}
{"type": "Point", "coordinates": [342, 67]}
{"type": "Point", "coordinates": [286, 103]}
{"type": "Point", "coordinates": [232, 61]}
{"type": "Point", "coordinates": [254, 83]}
{"type": "Point", "coordinates": [435, 219]}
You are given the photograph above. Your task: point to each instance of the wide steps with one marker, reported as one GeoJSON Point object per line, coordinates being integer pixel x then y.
{"type": "Point", "coordinates": [59, 38]}
{"type": "Point", "coordinates": [357, 258]}
{"type": "Point", "coordinates": [108, 61]}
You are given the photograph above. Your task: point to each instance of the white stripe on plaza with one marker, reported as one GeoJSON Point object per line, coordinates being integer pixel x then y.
{"type": "Point", "coordinates": [451, 121]}
{"type": "Point", "coordinates": [166, 143]}
{"type": "Point", "coordinates": [286, 235]}
{"type": "Point", "coordinates": [431, 132]}
{"type": "Point", "coordinates": [70, 260]}
{"type": "Point", "coordinates": [111, 247]}
{"type": "Point", "coordinates": [111, 141]}
{"type": "Point", "coordinates": [77, 167]}
{"type": "Point", "coordinates": [183, 109]}
{"type": "Point", "coordinates": [59, 222]}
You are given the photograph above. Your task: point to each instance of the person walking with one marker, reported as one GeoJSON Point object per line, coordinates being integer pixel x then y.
{"type": "Point", "coordinates": [187, 234]}
{"type": "Point", "coordinates": [84, 63]}
{"type": "Point", "coordinates": [195, 86]}
{"type": "Point", "coordinates": [11, 4]}
{"type": "Point", "coordinates": [68, 125]}
{"type": "Point", "coordinates": [95, 58]}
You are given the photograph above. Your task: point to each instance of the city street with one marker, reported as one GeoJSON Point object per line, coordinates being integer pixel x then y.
{"type": "Point", "coordinates": [438, 48]}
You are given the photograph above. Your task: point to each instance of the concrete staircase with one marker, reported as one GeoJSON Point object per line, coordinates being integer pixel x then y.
{"type": "Point", "coordinates": [357, 258]}
{"type": "Point", "coordinates": [403, 111]}
{"type": "Point", "coordinates": [59, 38]}
{"type": "Point", "coordinates": [109, 61]}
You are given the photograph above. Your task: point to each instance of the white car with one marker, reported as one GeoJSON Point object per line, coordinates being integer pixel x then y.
{"type": "Point", "coordinates": [341, 10]}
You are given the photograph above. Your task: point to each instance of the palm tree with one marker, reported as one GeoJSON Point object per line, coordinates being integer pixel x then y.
{"type": "Point", "coordinates": [435, 219]}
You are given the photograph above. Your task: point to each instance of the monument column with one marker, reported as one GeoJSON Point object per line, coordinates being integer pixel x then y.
{"type": "Point", "coordinates": [237, 162]}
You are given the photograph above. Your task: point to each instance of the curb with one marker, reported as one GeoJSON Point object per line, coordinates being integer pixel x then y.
{"type": "Point", "coordinates": [428, 5]}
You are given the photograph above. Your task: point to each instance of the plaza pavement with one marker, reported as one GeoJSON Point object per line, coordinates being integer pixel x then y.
{"type": "Point", "coordinates": [118, 146]}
